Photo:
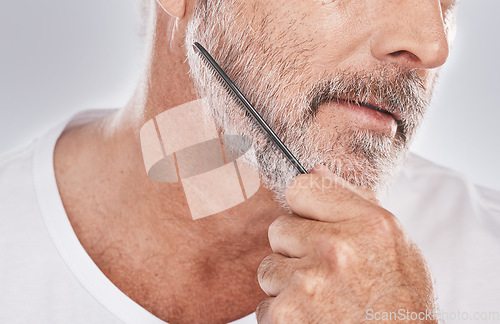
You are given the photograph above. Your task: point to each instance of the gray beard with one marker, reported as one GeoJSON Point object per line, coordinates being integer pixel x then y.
{"type": "Point", "coordinates": [362, 157]}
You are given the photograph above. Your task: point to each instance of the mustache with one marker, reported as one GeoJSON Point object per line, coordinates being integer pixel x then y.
{"type": "Point", "coordinates": [389, 87]}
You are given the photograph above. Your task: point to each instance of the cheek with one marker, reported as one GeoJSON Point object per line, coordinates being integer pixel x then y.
{"type": "Point", "coordinates": [329, 35]}
{"type": "Point", "coordinates": [321, 31]}
{"type": "Point", "coordinates": [301, 24]}
{"type": "Point", "coordinates": [429, 78]}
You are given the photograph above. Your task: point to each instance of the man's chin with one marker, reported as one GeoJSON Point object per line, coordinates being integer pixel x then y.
{"type": "Point", "coordinates": [362, 157]}
{"type": "Point", "coordinates": [376, 174]}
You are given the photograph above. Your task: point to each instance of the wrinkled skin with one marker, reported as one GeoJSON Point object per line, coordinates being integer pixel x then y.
{"type": "Point", "coordinates": [139, 232]}
{"type": "Point", "coordinates": [342, 256]}
{"type": "Point", "coordinates": [339, 253]}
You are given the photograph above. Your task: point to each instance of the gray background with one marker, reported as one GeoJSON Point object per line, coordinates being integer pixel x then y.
{"type": "Point", "coordinates": [60, 56]}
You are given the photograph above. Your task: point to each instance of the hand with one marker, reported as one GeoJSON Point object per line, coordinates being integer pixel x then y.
{"type": "Point", "coordinates": [338, 256]}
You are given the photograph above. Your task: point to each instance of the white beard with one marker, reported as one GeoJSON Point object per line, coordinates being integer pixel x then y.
{"type": "Point", "coordinates": [359, 156]}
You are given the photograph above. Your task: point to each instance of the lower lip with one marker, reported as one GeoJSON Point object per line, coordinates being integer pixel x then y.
{"type": "Point", "coordinates": [367, 118]}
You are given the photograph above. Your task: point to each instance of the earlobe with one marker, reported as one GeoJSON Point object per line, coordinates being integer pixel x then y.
{"type": "Point", "coordinates": [175, 8]}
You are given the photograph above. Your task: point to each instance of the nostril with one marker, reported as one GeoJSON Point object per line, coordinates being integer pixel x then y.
{"type": "Point", "coordinates": [409, 56]}
{"type": "Point", "coordinates": [397, 53]}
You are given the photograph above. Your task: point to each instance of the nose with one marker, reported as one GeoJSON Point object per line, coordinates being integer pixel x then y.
{"type": "Point", "coordinates": [411, 33]}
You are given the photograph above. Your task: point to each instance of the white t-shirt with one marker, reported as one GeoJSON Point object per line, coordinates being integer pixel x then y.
{"type": "Point", "coordinates": [46, 276]}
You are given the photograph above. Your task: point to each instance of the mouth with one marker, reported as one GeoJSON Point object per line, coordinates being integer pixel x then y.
{"type": "Point", "coordinates": [391, 112]}
{"type": "Point", "coordinates": [394, 114]}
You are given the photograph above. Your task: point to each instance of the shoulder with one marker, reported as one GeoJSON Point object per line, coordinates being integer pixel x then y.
{"type": "Point", "coordinates": [425, 192]}
{"type": "Point", "coordinates": [16, 169]}
{"type": "Point", "coordinates": [17, 190]}
{"type": "Point", "coordinates": [447, 182]}
{"type": "Point", "coordinates": [21, 225]}
{"type": "Point", "coordinates": [456, 224]}
{"type": "Point", "coordinates": [12, 156]}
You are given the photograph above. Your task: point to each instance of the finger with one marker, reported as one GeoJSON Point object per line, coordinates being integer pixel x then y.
{"type": "Point", "coordinates": [274, 273]}
{"type": "Point", "coordinates": [366, 193]}
{"type": "Point", "coordinates": [296, 237]}
{"type": "Point", "coordinates": [325, 199]}
{"type": "Point", "coordinates": [262, 311]}
{"type": "Point", "coordinates": [286, 308]}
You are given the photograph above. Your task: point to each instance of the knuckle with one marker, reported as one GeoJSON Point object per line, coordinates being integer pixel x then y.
{"type": "Point", "coordinates": [327, 247]}
{"type": "Point", "coordinates": [345, 255]}
{"type": "Point", "coordinates": [337, 252]}
{"type": "Point", "coordinates": [385, 223]}
{"type": "Point", "coordinates": [309, 281]}
{"type": "Point", "coordinates": [281, 312]}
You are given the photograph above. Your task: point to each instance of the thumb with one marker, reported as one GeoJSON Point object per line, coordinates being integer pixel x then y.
{"type": "Point", "coordinates": [366, 193]}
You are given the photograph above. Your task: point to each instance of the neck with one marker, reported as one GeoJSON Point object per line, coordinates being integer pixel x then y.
{"type": "Point", "coordinates": [140, 232]}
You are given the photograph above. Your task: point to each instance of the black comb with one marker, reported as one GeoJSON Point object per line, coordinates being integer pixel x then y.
{"type": "Point", "coordinates": [226, 81]}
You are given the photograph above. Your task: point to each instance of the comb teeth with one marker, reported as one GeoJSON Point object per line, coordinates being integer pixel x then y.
{"type": "Point", "coordinates": [236, 94]}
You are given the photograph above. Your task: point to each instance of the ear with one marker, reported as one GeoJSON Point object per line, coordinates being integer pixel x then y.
{"type": "Point", "coordinates": [175, 8]}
